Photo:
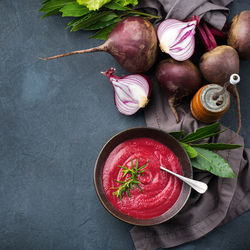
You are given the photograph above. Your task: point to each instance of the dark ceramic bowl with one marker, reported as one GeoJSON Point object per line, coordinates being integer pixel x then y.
{"type": "Point", "coordinates": [159, 136]}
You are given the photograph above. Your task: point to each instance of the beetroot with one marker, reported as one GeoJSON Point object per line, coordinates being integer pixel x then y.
{"type": "Point", "coordinates": [178, 79]}
{"type": "Point", "coordinates": [239, 34]}
{"type": "Point", "coordinates": [132, 42]}
{"type": "Point", "coordinates": [217, 65]}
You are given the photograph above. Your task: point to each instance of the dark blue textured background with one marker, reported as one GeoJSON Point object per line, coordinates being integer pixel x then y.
{"type": "Point", "coordinates": [55, 117]}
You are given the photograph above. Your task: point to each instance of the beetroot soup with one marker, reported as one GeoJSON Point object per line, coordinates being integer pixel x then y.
{"type": "Point", "coordinates": [160, 189]}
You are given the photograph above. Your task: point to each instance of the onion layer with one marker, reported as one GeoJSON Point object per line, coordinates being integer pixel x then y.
{"type": "Point", "coordinates": [177, 38]}
{"type": "Point", "coordinates": [131, 92]}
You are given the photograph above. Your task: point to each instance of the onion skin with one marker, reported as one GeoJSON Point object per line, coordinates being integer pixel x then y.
{"type": "Point", "coordinates": [239, 34]}
{"type": "Point", "coordinates": [178, 80]}
{"type": "Point", "coordinates": [132, 42]}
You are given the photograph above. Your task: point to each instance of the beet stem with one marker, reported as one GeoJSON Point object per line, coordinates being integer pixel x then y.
{"type": "Point", "coordinates": [206, 36]}
{"type": "Point", "coordinates": [103, 47]}
{"type": "Point", "coordinates": [143, 14]}
{"type": "Point", "coordinates": [218, 33]}
{"type": "Point", "coordinates": [210, 36]}
{"type": "Point", "coordinates": [171, 102]}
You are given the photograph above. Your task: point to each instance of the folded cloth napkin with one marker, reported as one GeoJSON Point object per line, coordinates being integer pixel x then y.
{"type": "Point", "coordinates": [225, 198]}
{"type": "Point", "coordinates": [212, 11]}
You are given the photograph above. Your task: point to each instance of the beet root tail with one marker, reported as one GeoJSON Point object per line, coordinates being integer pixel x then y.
{"type": "Point", "coordinates": [102, 47]}
{"type": "Point", "coordinates": [171, 102]}
{"type": "Point", "coordinates": [237, 98]}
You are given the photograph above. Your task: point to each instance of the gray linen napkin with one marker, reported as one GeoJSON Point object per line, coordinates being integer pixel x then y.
{"type": "Point", "coordinates": [224, 200]}
{"type": "Point", "coordinates": [212, 11]}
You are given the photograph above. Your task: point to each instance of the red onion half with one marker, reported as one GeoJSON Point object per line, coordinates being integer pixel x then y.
{"type": "Point", "coordinates": [131, 92]}
{"type": "Point", "coordinates": [177, 38]}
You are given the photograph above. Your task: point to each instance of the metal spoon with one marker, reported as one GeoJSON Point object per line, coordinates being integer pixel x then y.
{"type": "Point", "coordinates": [199, 186]}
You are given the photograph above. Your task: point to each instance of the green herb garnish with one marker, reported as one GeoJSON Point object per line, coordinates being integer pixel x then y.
{"type": "Point", "coordinates": [201, 155]}
{"type": "Point", "coordinates": [99, 15]}
{"type": "Point", "coordinates": [127, 185]}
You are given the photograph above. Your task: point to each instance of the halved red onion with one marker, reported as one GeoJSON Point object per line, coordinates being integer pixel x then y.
{"type": "Point", "coordinates": [131, 92]}
{"type": "Point", "coordinates": [177, 39]}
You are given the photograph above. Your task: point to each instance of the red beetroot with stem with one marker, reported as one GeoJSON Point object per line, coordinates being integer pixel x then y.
{"type": "Point", "coordinates": [219, 63]}
{"type": "Point", "coordinates": [132, 42]}
{"type": "Point", "coordinates": [177, 79]}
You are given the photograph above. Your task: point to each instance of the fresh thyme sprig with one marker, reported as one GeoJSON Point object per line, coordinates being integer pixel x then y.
{"type": "Point", "coordinates": [127, 185]}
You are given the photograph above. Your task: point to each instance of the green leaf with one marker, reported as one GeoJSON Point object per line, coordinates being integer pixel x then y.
{"type": "Point", "coordinates": [74, 9]}
{"type": "Point", "coordinates": [217, 146]}
{"type": "Point", "coordinates": [145, 165]}
{"type": "Point", "coordinates": [137, 163]}
{"type": "Point", "coordinates": [45, 1]}
{"type": "Point", "coordinates": [104, 22]}
{"type": "Point", "coordinates": [122, 167]}
{"type": "Point", "coordinates": [127, 2]}
{"type": "Point", "coordinates": [192, 153]}
{"type": "Point", "coordinates": [201, 133]}
{"type": "Point", "coordinates": [74, 21]}
{"type": "Point", "coordinates": [89, 20]}
{"type": "Point", "coordinates": [177, 134]}
{"type": "Point", "coordinates": [93, 4]}
{"type": "Point", "coordinates": [132, 165]}
{"type": "Point", "coordinates": [78, 23]}
{"type": "Point", "coordinates": [51, 13]}
{"type": "Point", "coordinates": [54, 5]}
{"type": "Point", "coordinates": [208, 135]}
{"type": "Point", "coordinates": [104, 33]}
{"type": "Point", "coordinates": [212, 162]}
{"type": "Point", "coordinates": [116, 6]}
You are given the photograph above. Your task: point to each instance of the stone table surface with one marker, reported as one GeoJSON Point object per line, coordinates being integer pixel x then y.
{"type": "Point", "coordinates": [55, 118]}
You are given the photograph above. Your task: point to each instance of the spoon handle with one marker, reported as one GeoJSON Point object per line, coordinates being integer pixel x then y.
{"type": "Point", "coordinates": [199, 186]}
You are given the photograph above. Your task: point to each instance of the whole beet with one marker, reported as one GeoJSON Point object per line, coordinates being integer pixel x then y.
{"type": "Point", "coordinates": [177, 79]}
{"type": "Point", "coordinates": [132, 42]}
{"type": "Point", "coordinates": [239, 34]}
{"type": "Point", "coordinates": [217, 65]}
